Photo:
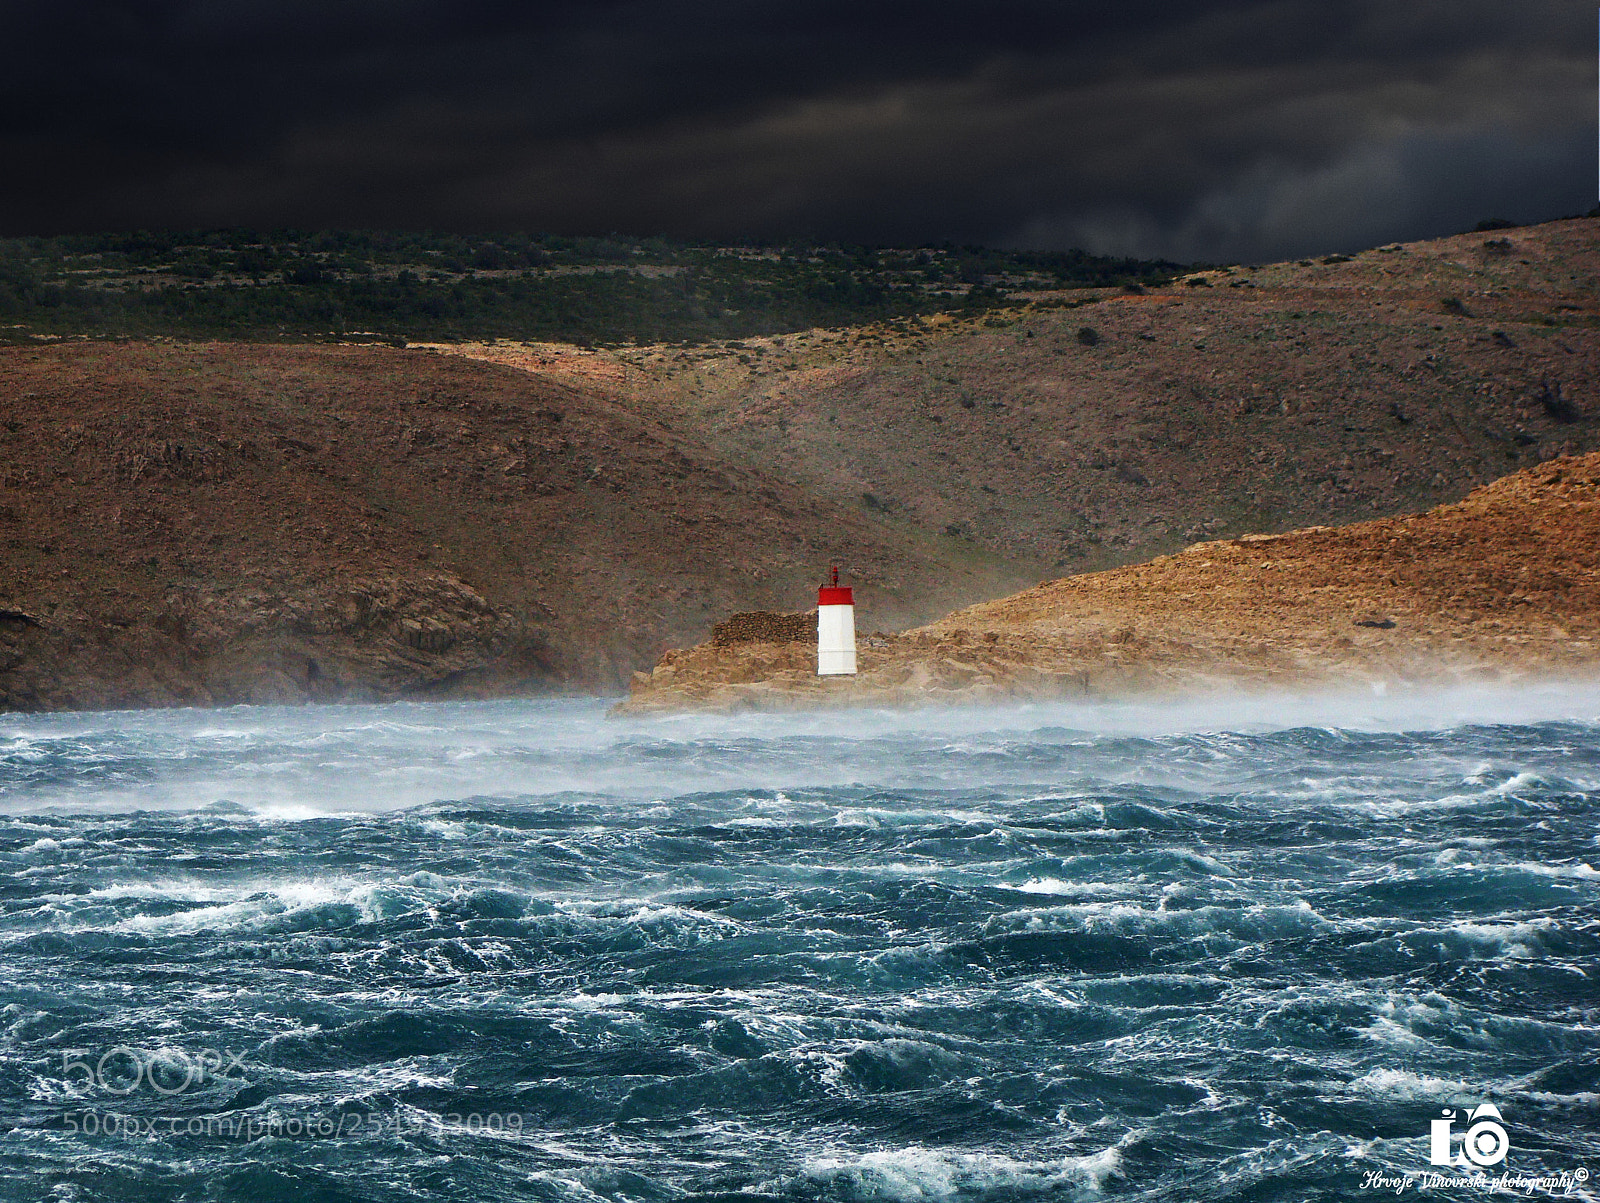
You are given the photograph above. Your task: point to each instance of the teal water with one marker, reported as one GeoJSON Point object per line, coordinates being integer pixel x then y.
{"type": "Point", "coordinates": [516, 950]}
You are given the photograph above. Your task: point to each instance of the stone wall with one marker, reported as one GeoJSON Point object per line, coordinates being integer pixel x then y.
{"type": "Point", "coordinates": [763, 626]}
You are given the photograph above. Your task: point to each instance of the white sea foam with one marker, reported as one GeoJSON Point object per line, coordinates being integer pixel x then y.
{"type": "Point", "coordinates": [1520, 941]}
{"type": "Point", "coordinates": [1574, 871]}
{"type": "Point", "coordinates": [1384, 1030]}
{"type": "Point", "coordinates": [1127, 919]}
{"type": "Point", "coordinates": [253, 904]}
{"type": "Point", "coordinates": [916, 1173]}
{"type": "Point", "coordinates": [1411, 1087]}
{"type": "Point", "coordinates": [1403, 1085]}
{"type": "Point", "coordinates": [311, 761]}
{"type": "Point", "coordinates": [801, 924]}
{"type": "Point", "coordinates": [1054, 886]}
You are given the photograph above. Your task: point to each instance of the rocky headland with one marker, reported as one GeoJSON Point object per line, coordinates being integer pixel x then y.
{"type": "Point", "coordinates": [217, 522]}
{"type": "Point", "coordinates": [1503, 585]}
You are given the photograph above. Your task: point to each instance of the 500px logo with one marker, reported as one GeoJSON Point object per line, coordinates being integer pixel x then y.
{"type": "Point", "coordinates": [121, 1070]}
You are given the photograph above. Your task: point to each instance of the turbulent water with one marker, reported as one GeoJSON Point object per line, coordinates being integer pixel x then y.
{"type": "Point", "coordinates": [521, 951]}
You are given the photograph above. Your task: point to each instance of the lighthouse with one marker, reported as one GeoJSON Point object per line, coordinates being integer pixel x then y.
{"type": "Point", "coordinates": [836, 629]}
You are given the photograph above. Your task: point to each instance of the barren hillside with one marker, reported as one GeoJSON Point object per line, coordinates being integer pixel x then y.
{"type": "Point", "coordinates": [218, 522]}
{"type": "Point", "coordinates": [1259, 399]}
{"type": "Point", "coordinates": [226, 522]}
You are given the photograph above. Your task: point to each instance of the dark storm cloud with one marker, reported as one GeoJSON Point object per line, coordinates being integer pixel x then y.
{"type": "Point", "coordinates": [1227, 130]}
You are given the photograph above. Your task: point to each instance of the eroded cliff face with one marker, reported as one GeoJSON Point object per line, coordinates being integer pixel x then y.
{"type": "Point", "coordinates": [362, 639]}
{"type": "Point", "coordinates": [1502, 585]}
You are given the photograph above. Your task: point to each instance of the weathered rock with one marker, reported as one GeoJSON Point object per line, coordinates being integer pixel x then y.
{"type": "Point", "coordinates": [762, 626]}
{"type": "Point", "coordinates": [374, 639]}
{"type": "Point", "coordinates": [1500, 586]}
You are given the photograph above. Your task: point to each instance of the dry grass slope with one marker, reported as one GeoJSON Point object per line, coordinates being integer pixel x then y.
{"type": "Point", "coordinates": [1261, 399]}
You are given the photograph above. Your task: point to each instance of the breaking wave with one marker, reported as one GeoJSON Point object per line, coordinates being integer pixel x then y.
{"type": "Point", "coordinates": [517, 950]}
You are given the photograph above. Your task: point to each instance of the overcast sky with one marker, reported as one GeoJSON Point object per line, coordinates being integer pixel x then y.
{"type": "Point", "coordinates": [1190, 129]}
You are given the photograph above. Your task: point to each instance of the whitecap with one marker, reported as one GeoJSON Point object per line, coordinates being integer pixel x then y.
{"type": "Point", "coordinates": [916, 1173]}
{"type": "Point", "coordinates": [1411, 1087]}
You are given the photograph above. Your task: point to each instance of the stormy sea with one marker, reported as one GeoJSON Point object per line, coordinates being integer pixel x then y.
{"type": "Point", "coordinates": [1280, 949]}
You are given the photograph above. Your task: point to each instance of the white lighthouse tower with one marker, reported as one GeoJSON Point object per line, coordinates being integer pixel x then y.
{"type": "Point", "coordinates": [836, 629]}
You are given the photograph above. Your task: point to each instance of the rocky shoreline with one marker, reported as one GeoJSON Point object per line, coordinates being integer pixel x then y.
{"type": "Point", "coordinates": [187, 523]}
{"type": "Point", "coordinates": [1503, 585]}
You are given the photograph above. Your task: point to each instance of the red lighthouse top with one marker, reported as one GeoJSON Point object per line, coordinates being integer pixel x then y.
{"type": "Point", "coordinates": [833, 593]}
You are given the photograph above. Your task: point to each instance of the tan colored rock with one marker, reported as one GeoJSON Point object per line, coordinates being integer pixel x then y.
{"type": "Point", "coordinates": [1503, 585]}
{"type": "Point", "coordinates": [762, 626]}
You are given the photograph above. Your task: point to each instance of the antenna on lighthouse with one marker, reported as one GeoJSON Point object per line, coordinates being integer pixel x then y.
{"type": "Point", "coordinates": [836, 628]}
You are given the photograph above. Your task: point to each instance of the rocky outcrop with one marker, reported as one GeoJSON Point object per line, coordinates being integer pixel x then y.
{"type": "Point", "coordinates": [365, 639]}
{"type": "Point", "coordinates": [1500, 586]}
{"type": "Point", "coordinates": [762, 626]}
